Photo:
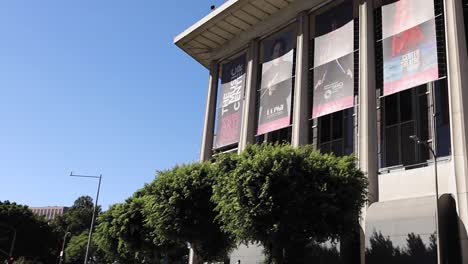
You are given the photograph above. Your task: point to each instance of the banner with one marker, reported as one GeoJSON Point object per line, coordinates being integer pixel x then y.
{"type": "Point", "coordinates": [334, 62]}
{"type": "Point", "coordinates": [409, 45]}
{"type": "Point", "coordinates": [230, 105]}
{"type": "Point", "coordinates": [276, 83]}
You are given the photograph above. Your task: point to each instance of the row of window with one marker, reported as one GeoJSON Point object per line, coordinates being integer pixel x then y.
{"type": "Point", "coordinates": [422, 110]}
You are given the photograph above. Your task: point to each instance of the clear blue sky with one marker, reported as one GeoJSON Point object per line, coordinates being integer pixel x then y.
{"type": "Point", "coordinates": [95, 87]}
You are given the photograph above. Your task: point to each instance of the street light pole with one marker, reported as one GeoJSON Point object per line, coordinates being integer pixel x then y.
{"type": "Point", "coordinates": [63, 246]}
{"type": "Point", "coordinates": [436, 179]}
{"type": "Point", "coordinates": [94, 210]}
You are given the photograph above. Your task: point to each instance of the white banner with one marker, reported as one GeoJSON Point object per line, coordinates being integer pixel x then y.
{"type": "Point", "coordinates": [405, 14]}
{"type": "Point", "coordinates": [334, 45]}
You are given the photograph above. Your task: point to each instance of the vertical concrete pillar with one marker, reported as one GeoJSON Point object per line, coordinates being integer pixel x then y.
{"type": "Point", "coordinates": [301, 111]}
{"type": "Point", "coordinates": [457, 77]}
{"type": "Point", "coordinates": [367, 110]}
{"type": "Point", "coordinates": [206, 150]}
{"type": "Point", "coordinates": [367, 117]}
{"type": "Point", "coordinates": [210, 113]}
{"type": "Point", "coordinates": [249, 112]}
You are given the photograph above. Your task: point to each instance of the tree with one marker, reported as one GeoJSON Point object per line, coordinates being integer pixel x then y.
{"type": "Point", "coordinates": [123, 235]}
{"type": "Point", "coordinates": [78, 217]}
{"type": "Point", "coordinates": [286, 198]}
{"type": "Point", "coordinates": [74, 252]}
{"type": "Point", "coordinates": [35, 239]}
{"type": "Point", "coordinates": [77, 220]}
{"type": "Point", "coordinates": [180, 209]}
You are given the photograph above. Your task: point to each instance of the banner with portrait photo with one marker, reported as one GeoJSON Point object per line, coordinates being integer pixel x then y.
{"type": "Point", "coordinates": [230, 106]}
{"type": "Point", "coordinates": [409, 45]}
{"type": "Point", "coordinates": [276, 82]}
{"type": "Point", "coordinates": [334, 61]}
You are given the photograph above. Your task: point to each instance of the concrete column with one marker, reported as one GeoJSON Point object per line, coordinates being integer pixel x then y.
{"type": "Point", "coordinates": [457, 70]}
{"type": "Point", "coordinates": [210, 113]}
{"type": "Point", "coordinates": [367, 110]}
{"type": "Point", "coordinates": [301, 111]}
{"type": "Point", "coordinates": [249, 112]}
{"type": "Point", "coordinates": [206, 150]}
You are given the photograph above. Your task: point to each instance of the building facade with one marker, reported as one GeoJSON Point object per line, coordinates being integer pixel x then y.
{"type": "Point", "coordinates": [359, 77]}
{"type": "Point", "coordinates": [49, 212]}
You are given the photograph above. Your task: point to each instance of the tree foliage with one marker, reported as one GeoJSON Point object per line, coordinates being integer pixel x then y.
{"type": "Point", "coordinates": [77, 218]}
{"type": "Point", "coordinates": [75, 250]}
{"type": "Point", "coordinates": [125, 237]}
{"type": "Point", "coordinates": [180, 209]}
{"type": "Point", "coordinates": [77, 221]}
{"type": "Point", "coordinates": [286, 198]}
{"type": "Point", "coordinates": [35, 239]}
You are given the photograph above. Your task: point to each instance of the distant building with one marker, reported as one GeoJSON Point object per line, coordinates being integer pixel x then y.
{"type": "Point", "coordinates": [49, 212]}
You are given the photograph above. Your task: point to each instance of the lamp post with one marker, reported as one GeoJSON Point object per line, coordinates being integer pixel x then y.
{"type": "Point", "coordinates": [436, 180]}
{"type": "Point", "coordinates": [63, 246]}
{"type": "Point", "coordinates": [94, 210]}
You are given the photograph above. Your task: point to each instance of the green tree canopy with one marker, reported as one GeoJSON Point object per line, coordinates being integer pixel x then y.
{"type": "Point", "coordinates": [35, 239]}
{"type": "Point", "coordinates": [77, 218]}
{"type": "Point", "coordinates": [124, 236]}
{"type": "Point", "coordinates": [180, 209]}
{"type": "Point", "coordinates": [286, 198]}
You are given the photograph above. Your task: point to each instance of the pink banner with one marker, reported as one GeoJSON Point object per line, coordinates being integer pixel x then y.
{"type": "Point", "coordinates": [228, 129]}
{"type": "Point", "coordinates": [273, 125]}
{"type": "Point", "coordinates": [333, 106]}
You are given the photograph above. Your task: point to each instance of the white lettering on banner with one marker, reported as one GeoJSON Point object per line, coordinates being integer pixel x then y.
{"type": "Point", "coordinates": [276, 109]}
{"type": "Point", "coordinates": [235, 90]}
{"type": "Point", "coordinates": [411, 60]}
{"type": "Point", "coordinates": [332, 88]}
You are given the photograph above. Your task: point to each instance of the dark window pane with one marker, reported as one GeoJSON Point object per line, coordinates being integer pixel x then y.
{"type": "Point", "coordinates": [406, 106]}
{"type": "Point", "coordinates": [408, 151]}
{"type": "Point", "coordinates": [325, 126]}
{"type": "Point", "coordinates": [337, 125]}
{"type": "Point", "coordinates": [349, 135]}
{"type": "Point", "coordinates": [280, 136]}
{"type": "Point", "coordinates": [337, 147]}
{"type": "Point", "coordinates": [392, 145]}
{"type": "Point", "coordinates": [422, 89]}
{"type": "Point", "coordinates": [259, 139]}
{"type": "Point", "coordinates": [423, 127]}
{"type": "Point", "coordinates": [442, 119]}
{"type": "Point", "coordinates": [391, 109]}
{"type": "Point", "coordinates": [423, 118]}
{"type": "Point", "coordinates": [325, 148]}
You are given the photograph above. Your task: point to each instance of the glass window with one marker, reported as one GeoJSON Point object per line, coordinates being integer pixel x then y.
{"type": "Point", "coordinates": [409, 113]}
{"type": "Point", "coordinates": [335, 133]}
{"type": "Point", "coordinates": [442, 119]}
{"type": "Point", "coordinates": [403, 118]}
{"type": "Point", "coordinates": [332, 76]}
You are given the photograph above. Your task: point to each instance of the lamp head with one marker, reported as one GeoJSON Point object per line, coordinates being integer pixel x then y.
{"type": "Point", "coordinates": [415, 138]}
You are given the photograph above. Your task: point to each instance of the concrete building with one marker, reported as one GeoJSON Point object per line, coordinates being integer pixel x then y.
{"type": "Point", "coordinates": [360, 77]}
{"type": "Point", "coordinates": [49, 212]}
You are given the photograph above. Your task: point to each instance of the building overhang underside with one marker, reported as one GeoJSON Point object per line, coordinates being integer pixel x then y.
{"type": "Point", "coordinates": [225, 24]}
